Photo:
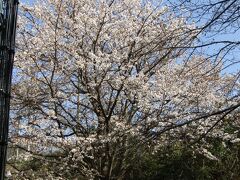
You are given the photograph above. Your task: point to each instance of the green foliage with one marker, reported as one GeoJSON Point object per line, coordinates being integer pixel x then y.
{"type": "Point", "coordinates": [179, 161]}
{"type": "Point", "coordinates": [176, 161]}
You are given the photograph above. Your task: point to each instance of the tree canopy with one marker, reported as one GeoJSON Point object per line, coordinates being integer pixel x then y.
{"type": "Point", "coordinates": [102, 84]}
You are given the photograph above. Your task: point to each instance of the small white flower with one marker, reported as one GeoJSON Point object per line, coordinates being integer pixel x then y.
{"type": "Point", "coordinates": [235, 140]}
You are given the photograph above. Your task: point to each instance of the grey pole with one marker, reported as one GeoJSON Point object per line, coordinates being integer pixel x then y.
{"type": "Point", "coordinates": [8, 19]}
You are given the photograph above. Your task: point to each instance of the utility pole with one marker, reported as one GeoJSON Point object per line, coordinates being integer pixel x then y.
{"type": "Point", "coordinates": [8, 19]}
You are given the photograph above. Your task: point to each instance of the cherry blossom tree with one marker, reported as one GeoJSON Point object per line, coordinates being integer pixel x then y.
{"type": "Point", "coordinates": [98, 82]}
{"type": "Point", "coordinates": [218, 25]}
